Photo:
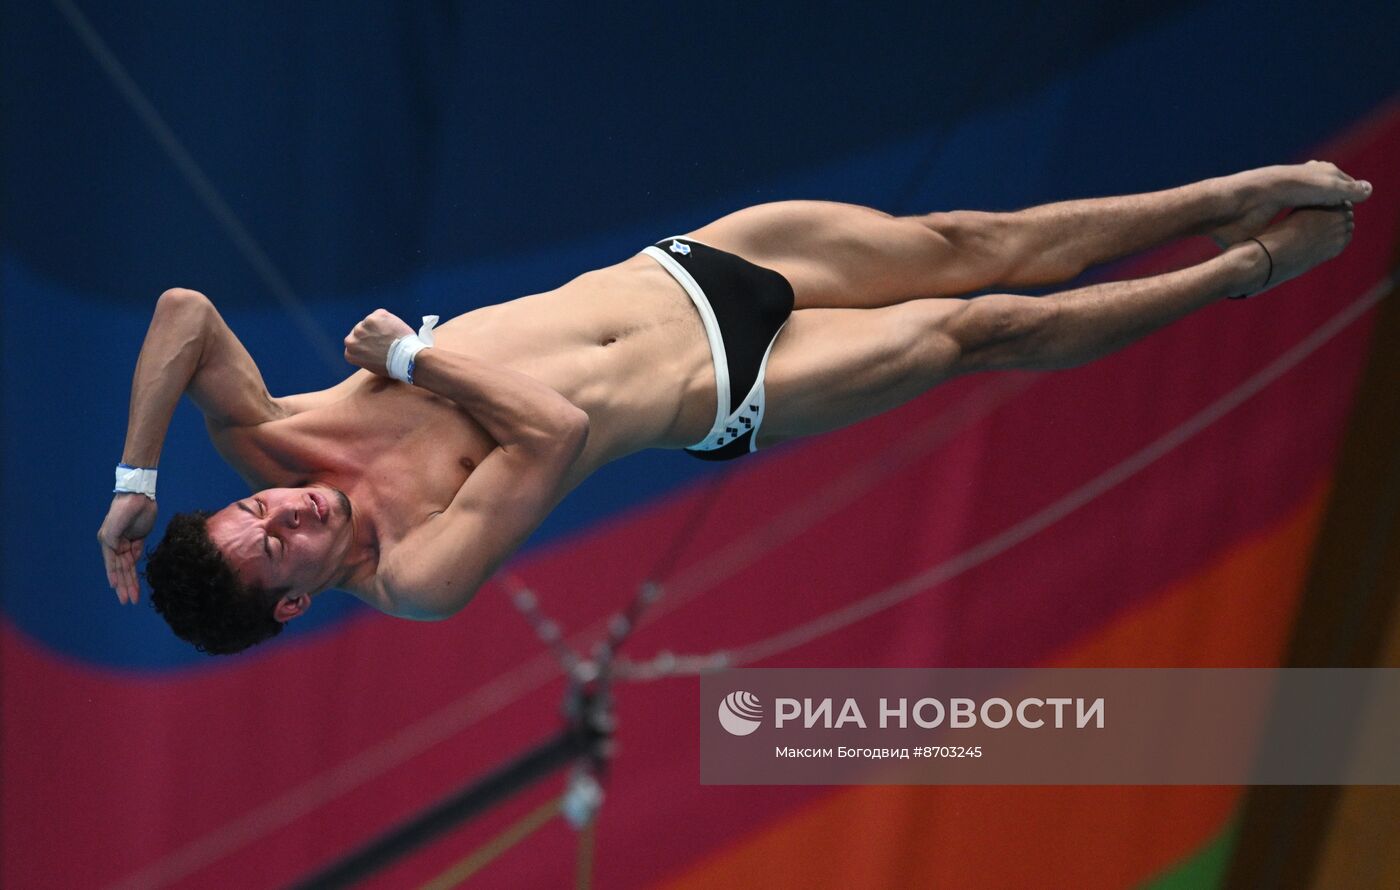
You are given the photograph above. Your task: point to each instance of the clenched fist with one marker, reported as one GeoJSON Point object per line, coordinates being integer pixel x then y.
{"type": "Point", "coordinates": [367, 345]}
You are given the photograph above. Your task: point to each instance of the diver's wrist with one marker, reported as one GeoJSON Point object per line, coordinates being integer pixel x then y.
{"type": "Point", "coordinates": [135, 480]}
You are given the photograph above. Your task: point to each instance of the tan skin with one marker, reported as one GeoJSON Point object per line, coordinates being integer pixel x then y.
{"type": "Point", "coordinates": [409, 497]}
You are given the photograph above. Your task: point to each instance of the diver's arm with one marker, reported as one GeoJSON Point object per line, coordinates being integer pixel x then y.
{"type": "Point", "coordinates": [517, 410]}
{"type": "Point", "coordinates": [438, 567]}
{"type": "Point", "coordinates": [188, 348]}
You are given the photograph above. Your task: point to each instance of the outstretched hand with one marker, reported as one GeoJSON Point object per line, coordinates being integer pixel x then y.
{"type": "Point", "coordinates": [367, 346]}
{"type": "Point", "coordinates": [123, 537]}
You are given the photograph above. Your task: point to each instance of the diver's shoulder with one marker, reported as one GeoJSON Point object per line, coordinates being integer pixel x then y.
{"type": "Point", "coordinates": [299, 403]}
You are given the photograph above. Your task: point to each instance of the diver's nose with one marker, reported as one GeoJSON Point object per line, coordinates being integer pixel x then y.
{"type": "Point", "coordinates": [290, 516]}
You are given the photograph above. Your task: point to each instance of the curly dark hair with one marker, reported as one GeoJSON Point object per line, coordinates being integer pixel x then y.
{"type": "Point", "coordinates": [194, 588]}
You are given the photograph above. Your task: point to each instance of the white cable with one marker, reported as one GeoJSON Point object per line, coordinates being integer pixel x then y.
{"type": "Point", "coordinates": [203, 188]}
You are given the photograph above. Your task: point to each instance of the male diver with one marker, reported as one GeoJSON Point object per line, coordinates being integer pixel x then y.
{"type": "Point", "coordinates": [408, 483]}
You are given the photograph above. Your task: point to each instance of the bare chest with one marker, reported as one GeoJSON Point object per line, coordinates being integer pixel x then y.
{"type": "Point", "coordinates": [624, 344]}
{"type": "Point", "coordinates": [399, 451]}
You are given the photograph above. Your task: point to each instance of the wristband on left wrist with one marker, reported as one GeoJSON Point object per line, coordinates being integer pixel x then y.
{"type": "Point", "coordinates": [135, 480]}
{"type": "Point", "coordinates": [400, 359]}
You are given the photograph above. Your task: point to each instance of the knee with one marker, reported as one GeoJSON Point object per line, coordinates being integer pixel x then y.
{"type": "Point", "coordinates": [1001, 331]}
{"type": "Point", "coordinates": [923, 342]}
{"type": "Point", "coordinates": [1005, 247]}
{"type": "Point", "coordinates": [990, 242]}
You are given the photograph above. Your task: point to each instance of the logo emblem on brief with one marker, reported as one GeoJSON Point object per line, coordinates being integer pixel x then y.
{"type": "Point", "coordinates": [677, 247]}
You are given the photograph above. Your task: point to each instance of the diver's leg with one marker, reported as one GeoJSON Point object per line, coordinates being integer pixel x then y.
{"type": "Point", "coordinates": [833, 367]}
{"type": "Point", "coordinates": [849, 256]}
{"type": "Point", "coordinates": [1072, 236]}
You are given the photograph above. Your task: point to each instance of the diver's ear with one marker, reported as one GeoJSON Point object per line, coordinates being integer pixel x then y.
{"type": "Point", "coordinates": [290, 606]}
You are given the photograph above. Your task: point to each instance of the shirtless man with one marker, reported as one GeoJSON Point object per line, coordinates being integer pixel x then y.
{"type": "Point", "coordinates": [409, 496]}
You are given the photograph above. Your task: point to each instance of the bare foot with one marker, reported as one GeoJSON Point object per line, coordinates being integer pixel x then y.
{"type": "Point", "coordinates": [1307, 237]}
{"type": "Point", "coordinates": [1264, 192]}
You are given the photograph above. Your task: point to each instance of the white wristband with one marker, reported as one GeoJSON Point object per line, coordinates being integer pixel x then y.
{"type": "Point", "coordinates": [399, 362]}
{"type": "Point", "coordinates": [136, 480]}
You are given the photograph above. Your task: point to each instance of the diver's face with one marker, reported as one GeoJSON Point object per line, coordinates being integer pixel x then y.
{"type": "Point", "coordinates": [285, 537]}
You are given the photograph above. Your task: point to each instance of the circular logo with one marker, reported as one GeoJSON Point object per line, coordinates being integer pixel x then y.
{"type": "Point", "coordinates": [740, 713]}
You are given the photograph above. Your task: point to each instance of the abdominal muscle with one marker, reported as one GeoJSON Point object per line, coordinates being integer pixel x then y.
{"type": "Point", "coordinates": [624, 343]}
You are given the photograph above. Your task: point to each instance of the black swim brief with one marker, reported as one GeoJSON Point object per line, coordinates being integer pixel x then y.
{"type": "Point", "coordinates": [743, 307]}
